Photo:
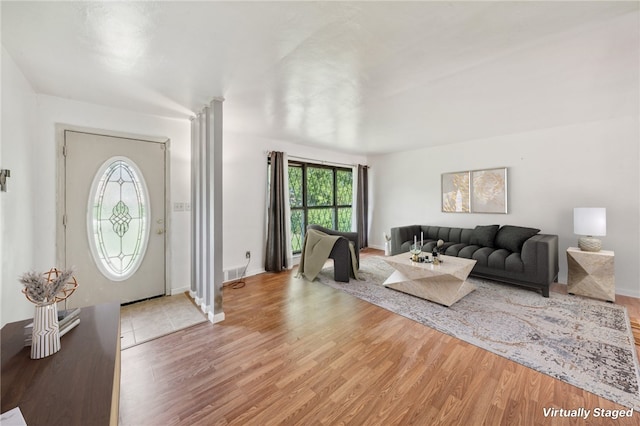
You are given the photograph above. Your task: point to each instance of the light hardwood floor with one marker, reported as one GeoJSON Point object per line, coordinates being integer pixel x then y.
{"type": "Point", "coordinates": [294, 352]}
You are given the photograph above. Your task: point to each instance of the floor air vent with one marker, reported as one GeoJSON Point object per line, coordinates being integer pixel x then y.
{"type": "Point", "coordinates": [233, 274]}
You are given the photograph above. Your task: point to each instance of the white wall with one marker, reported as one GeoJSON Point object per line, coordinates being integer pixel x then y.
{"type": "Point", "coordinates": [29, 150]}
{"type": "Point", "coordinates": [551, 171]}
{"type": "Point", "coordinates": [245, 190]}
{"type": "Point", "coordinates": [17, 205]}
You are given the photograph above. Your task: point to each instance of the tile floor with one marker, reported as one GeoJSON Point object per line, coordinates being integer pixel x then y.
{"type": "Point", "coordinates": [144, 321]}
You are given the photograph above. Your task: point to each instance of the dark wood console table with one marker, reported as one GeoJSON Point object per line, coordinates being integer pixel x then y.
{"type": "Point", "coordinates": [78, 385]}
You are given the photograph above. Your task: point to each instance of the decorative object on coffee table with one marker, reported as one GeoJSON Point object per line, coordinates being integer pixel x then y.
{"type": "Point", "coordinates": [437, 249]}
{"type": "Point", "coordinates": [590, 222]}
{"type": "Point", "coordinates": [415, 251]}
{"type": "Point", "coordinates": [45, 291]}
{"type": "Point", "coordinates": [591, 274]}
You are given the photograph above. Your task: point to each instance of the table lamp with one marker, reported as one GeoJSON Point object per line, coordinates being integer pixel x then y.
{"type": "Point", "coordinates": [590, 221]}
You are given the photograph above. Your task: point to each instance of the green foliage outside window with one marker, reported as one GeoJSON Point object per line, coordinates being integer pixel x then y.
{"type": "Point", "coordinates": [295, 186]}
{"type": "Point", "coordinates": [345, 187]}
{"type": "Point", "coordinates": [297, 229]}
{"type": "Point", "coordinates": [319, 195]}
{"type": "Point", "coordinates": [322, 217]}
{"type": "Point", "coordinates": [319, 187]}
{"type": "Point", "coordinates": [344, 219]}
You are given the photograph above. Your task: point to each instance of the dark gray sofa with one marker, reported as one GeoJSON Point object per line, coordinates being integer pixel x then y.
{"type": "Point", "coordinates": [510, 254]}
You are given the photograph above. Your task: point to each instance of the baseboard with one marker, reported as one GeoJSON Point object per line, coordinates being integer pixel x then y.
{"type": "Point", "coordinates": [214, 319]}
{"type": "Point", "coordinates": [628, 293]}
{"type": "Point", "coordinates": [200, 302]}
{"type": "Point", "coordinates": [180, 290]}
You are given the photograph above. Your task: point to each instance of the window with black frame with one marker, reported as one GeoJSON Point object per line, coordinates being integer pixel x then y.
{"type": "Point", "coordinates": [321, 195]}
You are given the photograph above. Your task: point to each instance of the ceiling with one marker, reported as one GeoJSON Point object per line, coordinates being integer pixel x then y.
{"type": "Point", "coordinates": [363, 77]}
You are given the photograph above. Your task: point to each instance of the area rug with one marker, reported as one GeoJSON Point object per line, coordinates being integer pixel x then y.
{"type": "Point", "coordinates": [584, 342]}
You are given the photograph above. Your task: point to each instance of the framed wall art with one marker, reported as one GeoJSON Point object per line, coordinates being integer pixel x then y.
{"type": "Point", "coordinates": [489, 191]}
{"type": "Point", "coordinates": [475, 191]}
{"type": "Point", "coordinates": [455, 192]}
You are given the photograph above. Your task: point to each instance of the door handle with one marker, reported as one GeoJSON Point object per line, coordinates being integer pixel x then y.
{"type": "Point", "coordinates": [160, 231]}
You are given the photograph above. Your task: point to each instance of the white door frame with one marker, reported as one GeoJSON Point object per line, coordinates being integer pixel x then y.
{"type": "Point", "coordinates": [61, 188]}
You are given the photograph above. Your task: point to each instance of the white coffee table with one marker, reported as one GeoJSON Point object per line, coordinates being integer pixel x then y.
{"type": "Point", "coordinates": [444, 283]}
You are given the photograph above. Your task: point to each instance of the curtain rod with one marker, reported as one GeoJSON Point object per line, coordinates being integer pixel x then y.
{"type": "Point", "coordinates": [320, 162]}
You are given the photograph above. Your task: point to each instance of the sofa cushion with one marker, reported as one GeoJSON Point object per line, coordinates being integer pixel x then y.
{"type": "Point", "coordinates": [484, 235]}
{"type": "Point", "coordinates": [514, 263]}
{"type": "Point", "coordinates": [513, 237]}
{"type": "Point", "coordinates": [431, 245]}
{"type": "Point", "coordinates": [443, 233]}
{"type": "Point", "coordinates": [428, 244]}
{"type": "Point", "coordinates": [481, 256]}
{"type": "Point", "coordinates": [454, 235]}
{"type": "Point", "coordinates": [465, 235]}
{"type": "Point", "coordinates": [467, 251]}
{"type": "Point", "coordinates": [432, 233]}
{"type": "Point", "coordinates": [497, 259]}
{"type": "Point", "coordinates": [446, 246]}
{"type": "Point", "coordinates": [454, 249]}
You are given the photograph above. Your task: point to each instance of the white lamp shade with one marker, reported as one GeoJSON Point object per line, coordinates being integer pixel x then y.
{"type": "Point", "coordinates": [590, 221]}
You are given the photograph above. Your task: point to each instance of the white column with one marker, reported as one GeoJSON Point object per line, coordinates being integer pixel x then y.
{"type": "Point", "coordinates": [199, 205]}
{"type": "Point", "coordinates": [206, 189]}
{"type": "Point", "coordinates": [195, 206]}
{"type": "Point", "coordinates": [207, 234]}
{"type": "Point", "coordinates": [202, 249]}
{"type": "Point", "coordinates": [216, 313]}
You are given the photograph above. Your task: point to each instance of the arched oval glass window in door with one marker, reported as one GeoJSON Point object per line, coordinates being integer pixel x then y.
{"type": "Point", "coordinates": [118, 218]}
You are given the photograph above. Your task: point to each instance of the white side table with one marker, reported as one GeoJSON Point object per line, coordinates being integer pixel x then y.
{"type": "Point", "coordinates": [591, 274]}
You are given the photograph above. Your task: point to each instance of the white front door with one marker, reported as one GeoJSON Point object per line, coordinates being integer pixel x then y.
{"type": "Point", "coordinates": [115, 217]}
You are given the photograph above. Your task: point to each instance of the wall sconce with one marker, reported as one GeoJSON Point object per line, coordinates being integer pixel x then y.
{"type": "Point", "coordinates": [4, 174]}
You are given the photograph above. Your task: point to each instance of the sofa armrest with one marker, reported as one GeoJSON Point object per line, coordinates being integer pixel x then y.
{"type": "Point", "coordinates": [402, 234]}
{"type": "Point", "coordinates": [540, 258]}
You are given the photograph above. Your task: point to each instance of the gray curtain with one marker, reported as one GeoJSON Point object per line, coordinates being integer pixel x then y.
{"type": "Point", "coordinates": [276, 257]}
{"type": "Point", "coordinates": [362, 206]}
